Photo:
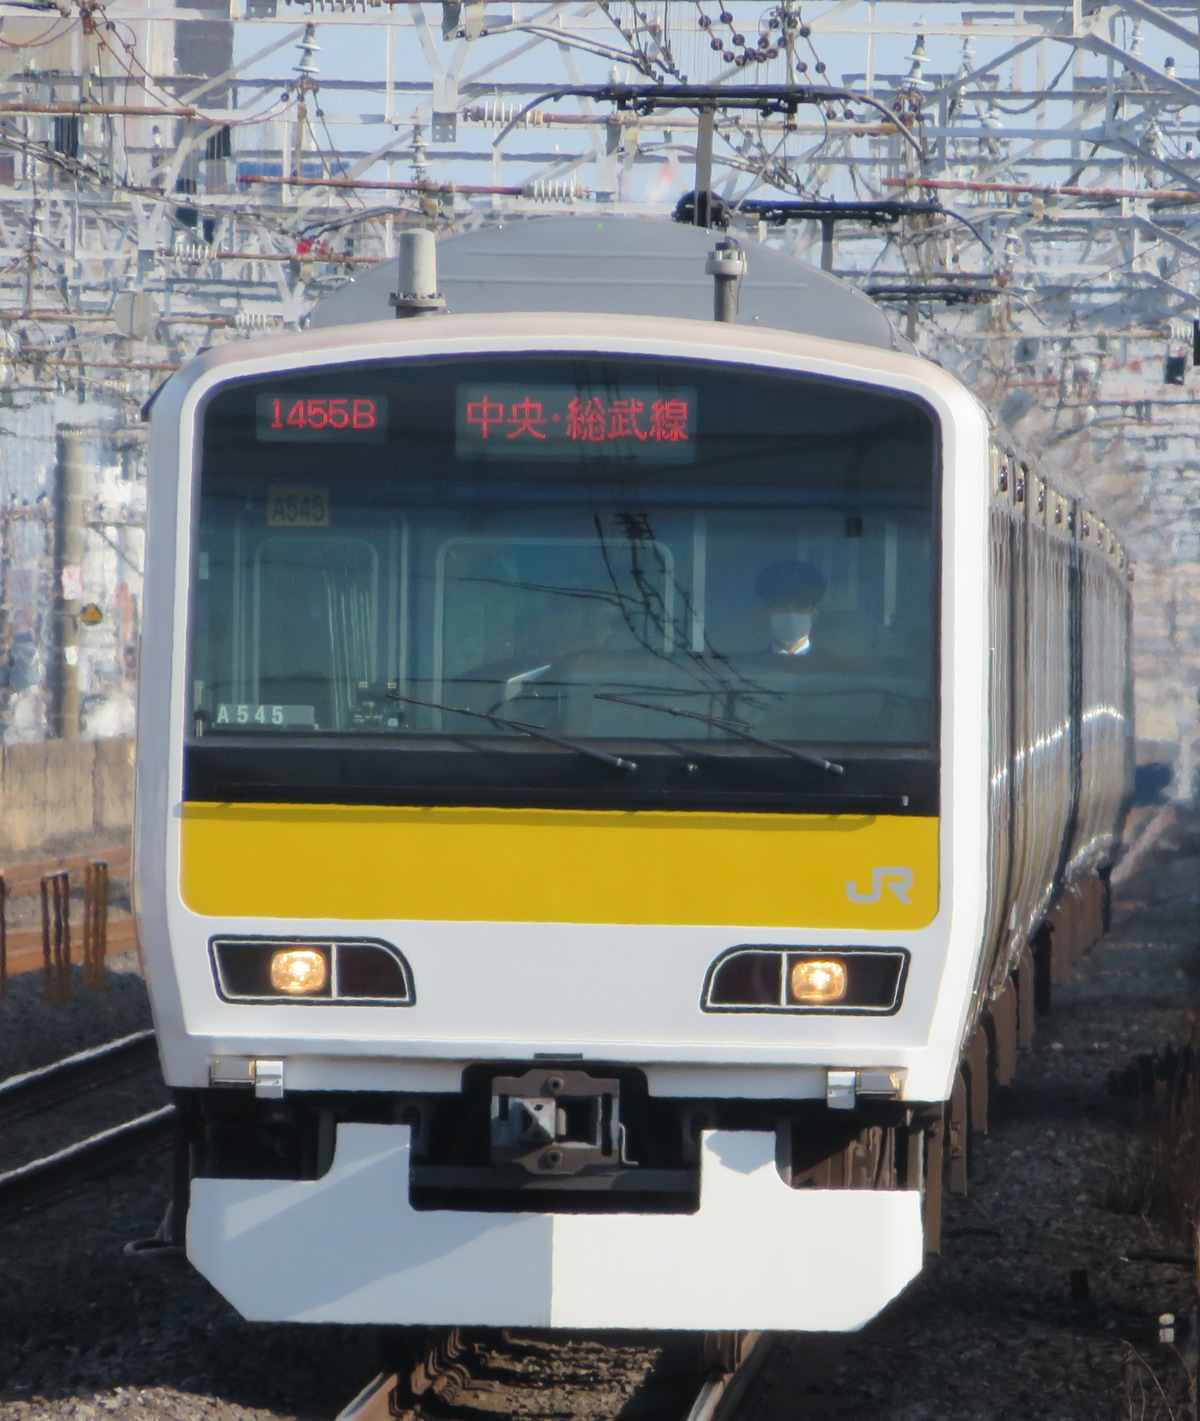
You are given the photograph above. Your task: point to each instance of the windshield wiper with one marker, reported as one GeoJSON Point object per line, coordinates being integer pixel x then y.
{"type": "Point", "coordinates": [616, 761]}
{"type": "Point", "coordinates": [738, 727]}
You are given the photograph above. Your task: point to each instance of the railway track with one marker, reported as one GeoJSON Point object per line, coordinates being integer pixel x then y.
{"type": "Point", "coordinates": [39, 1182]}
{"type": "Point", "coordinates": [735, 1360]}
{"type": "Point", "coordinates": [993, 1322]}
{"type": "Point", "coordinates": [463, 1374]}
{"type": "Point", "coordinates": [33, 1091]}
{"type": "Point", "coordinates": [438, 1373]}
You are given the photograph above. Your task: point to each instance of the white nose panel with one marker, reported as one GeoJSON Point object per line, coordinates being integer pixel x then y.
{"type": "Point", "coordinates": [350, 1248]}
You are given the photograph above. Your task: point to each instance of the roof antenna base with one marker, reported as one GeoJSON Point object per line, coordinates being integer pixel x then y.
{"type": "Point", "coordinates": [417, 277]}
{"type": "Point", "coordinates": [726, 265]}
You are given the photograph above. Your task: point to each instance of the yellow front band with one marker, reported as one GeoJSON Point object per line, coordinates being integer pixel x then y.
{"type": "Point", "coordinates": [559, 866]}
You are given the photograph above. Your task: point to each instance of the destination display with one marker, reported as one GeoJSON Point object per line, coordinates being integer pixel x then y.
{"type": "Point", "coordinates": [321, 419]}
{"type": "Point", "coordinates": [640, 423]}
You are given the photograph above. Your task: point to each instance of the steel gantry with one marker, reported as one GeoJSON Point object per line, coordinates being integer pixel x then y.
{"type": "Point", "coordinates": [1020, 185]}
{"type": "Point", "coordinates": [233, 160]}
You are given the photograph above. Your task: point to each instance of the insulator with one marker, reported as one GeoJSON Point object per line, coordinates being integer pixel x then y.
{"type": "Point", "coordinates": [308, 47]}
{"type": "Point", "coordinates": [191, 252]}
{"type": "Point", "coordinates": [496, 113]}
{"type": "Point", "coordinates": [553, 190]}
{"type": "Point", "coordinates": [251, 320]}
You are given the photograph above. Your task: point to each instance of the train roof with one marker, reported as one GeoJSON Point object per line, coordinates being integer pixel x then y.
{"type": "Point", "coordinates": [619, 266]}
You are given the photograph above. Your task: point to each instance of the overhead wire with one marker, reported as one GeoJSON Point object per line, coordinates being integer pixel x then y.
{"type": "Point", "coordinates": [41, 41]}
{"type": "Point", "coordinates": [156, 91]}
{"type": "Point", "coordinates": [1034, 103]}
{"type": "Point", "coordinates": [645, 62]}
{"type": "Point", "coordinates": [86, 173]}
{"type": "Point", "coordinates": [122, 50]}
{"type": "Point", "coordinates": [348, 196]}
{"type": "Point", "coordinates": [590, 46]}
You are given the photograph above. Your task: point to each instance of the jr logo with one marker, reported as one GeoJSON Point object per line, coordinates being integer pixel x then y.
{"type": "Point", "coordinates": [897, 881]}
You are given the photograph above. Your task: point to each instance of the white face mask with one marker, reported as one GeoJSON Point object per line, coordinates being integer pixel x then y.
{"type": "Point", "coordinates": [787, 628]}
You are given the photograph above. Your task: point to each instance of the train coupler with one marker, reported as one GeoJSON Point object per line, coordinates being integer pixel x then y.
{"type": "Point", "coordinates": [554, 1121]}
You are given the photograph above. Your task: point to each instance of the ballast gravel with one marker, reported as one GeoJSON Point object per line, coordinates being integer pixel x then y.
{"type": "Point", "coordinates": [1038, 1308]}
{"type": "Point", "coordinates": [1031, 1312]}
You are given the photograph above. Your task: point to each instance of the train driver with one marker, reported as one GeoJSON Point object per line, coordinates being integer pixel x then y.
{"type": "Point", "coordinates": [791, 592]}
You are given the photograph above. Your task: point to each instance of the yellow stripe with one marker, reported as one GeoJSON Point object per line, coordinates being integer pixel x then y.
{"type": "Point", "coordinates": [545, 866]}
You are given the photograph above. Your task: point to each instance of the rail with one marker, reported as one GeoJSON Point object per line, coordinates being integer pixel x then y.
{"type": "Point", "coordinates": [724, 1389]}
{"type": "Point", "coordinates": [39, 1089]}
{"type": "Point", "coordinates": [440, 1377]}
{"type": "Point", "coordinates": [40, 1182]}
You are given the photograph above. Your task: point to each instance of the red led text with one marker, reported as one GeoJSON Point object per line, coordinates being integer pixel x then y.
{"type": "Point", "coordinates": [591, 421]}
{"type": "Point", "coordinates": [319, 412]}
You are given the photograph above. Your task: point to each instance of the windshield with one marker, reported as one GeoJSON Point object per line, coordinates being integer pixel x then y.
{"type": "Point", "coordinates": [418, 564]}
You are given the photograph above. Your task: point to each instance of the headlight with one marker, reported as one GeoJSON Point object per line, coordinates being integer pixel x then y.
{"type": "Point", "coordinates": [299, 971]}
{"type": "Point", "coordinates": [816, 981]}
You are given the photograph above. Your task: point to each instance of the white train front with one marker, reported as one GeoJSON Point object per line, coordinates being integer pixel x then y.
{"type": "Point", "coordinates": [596, 767]}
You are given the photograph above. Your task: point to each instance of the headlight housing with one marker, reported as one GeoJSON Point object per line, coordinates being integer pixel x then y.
{"type": "Point", "coordinates": [345, 971]}
{"type": "Point", "coordinates": [857, 980]}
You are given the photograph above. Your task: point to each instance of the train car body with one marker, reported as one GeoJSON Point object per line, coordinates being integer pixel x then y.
{"type": "Point", "coordinates": [597, 769]}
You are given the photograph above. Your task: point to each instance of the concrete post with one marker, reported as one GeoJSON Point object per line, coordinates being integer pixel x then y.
{"type": "Point", "coordinates": [70, 490]}
{"type": "Point", "coordinates": [706, 121]}
{"type": "Point", "coordinates": [827, 244]}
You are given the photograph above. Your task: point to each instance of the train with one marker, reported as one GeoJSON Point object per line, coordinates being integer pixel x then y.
{"type": "Point", "coordinates": [612, 786]}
